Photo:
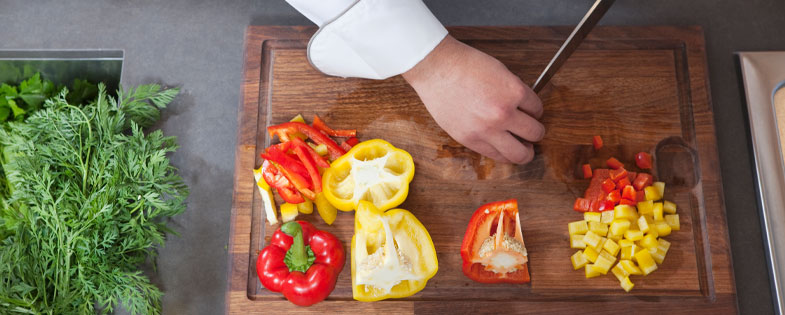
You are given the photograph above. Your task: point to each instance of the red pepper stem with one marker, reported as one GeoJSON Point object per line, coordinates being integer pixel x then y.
{"type": "Point", "coordinates": [299, 257]}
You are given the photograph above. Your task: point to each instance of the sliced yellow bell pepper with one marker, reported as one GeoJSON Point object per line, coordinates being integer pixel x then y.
{"type": "Point", "coordinates": [268, 200]}
{"type": "Point", "coordinates": [382, 270]}
{"type": "Point", "coordinates": [372, 170]}
{"type": "Point", "coordinates": [325, 209]}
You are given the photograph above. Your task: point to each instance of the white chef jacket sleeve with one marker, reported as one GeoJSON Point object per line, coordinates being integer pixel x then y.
{"type": "Point", "coordinates": [373, 39]}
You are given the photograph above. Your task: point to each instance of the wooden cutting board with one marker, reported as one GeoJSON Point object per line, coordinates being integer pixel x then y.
{"type": "Point", "coordinates": [640, 88]}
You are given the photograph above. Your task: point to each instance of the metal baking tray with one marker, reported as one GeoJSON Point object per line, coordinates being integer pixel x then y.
{"type": "Point", "coordinates": [764, 84]}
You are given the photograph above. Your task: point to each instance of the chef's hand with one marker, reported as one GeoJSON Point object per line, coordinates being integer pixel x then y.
{"type": "Point", "coordinates": [478, 101]}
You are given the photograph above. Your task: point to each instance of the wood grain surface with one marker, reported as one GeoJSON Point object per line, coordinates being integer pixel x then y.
{"type": "Point", "coordinates": [640, 88]}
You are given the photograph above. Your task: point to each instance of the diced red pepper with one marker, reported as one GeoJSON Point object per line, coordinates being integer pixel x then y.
{"type": "Point", "coordinates": [618, 174]}
{"type": "Point", "coordinates": [627, 202]}
{"type": "Point", "coordinates": [629, 193]}
{"type": "Point", "coordinates": [606, 205]}
{"type": "Point", "coordinates": [642, 181]}
{"type": "Point", "coordinates": [597, 142]}
{"type": "Point", "coordinates": [285, 129]}
{"type": "Point", "coordinates": [586, 171]}
{"type": "Point", "coordinates": [623, 182]}
{"type": "Point", "coordinates": [608, 185]}
{"type": "Point", "coordinates": [614, 196]}
{"type": "Point", "coordinates": [582, 205]}
{"type": "Point", "coordinates": [320, 125]}
{"type": "Point", "coordinates": [614, 163]}
{"type": "Point", "coordinates": [643, 160]}
{"type": "Point", "coordinates": [640, 195]}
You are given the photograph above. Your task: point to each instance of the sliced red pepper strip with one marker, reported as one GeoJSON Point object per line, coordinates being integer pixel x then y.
{"type": "Point", "coordinates": [320, 161]}
{"type": "Point", "coordinates": [643, 160]}
{"type": "Point", "coordinates": [310, 165]}
{"type": "Point", "coordinates": [586, 171]}
{"type": "Point", "coordinates": [608, 185]}
{"type": "Point", "coordinates": [346, 146]}
{"type": "Point", "coordinates": [299, 182]}
{"type": "Point", "coordinates": [275, 179]}
{"type": "Point", "coordinates": [582, 205]}
{"type": "Point", "coordinates": [284, 129]}
{"type": "Point", "coordinates": [290, 164]}
{"type": "Point", "coordinates": [614, 163]}
{"type": "Point", "coordinates": [628, 192]}
{"type": "Point", "coordinates": [642, 181]}
{"type": "Point", "coordinates": [353, 141]}
{"type": "Point", "coordinates": [597, 142]}
{"type": "Point", "coordinates": [320, 125]}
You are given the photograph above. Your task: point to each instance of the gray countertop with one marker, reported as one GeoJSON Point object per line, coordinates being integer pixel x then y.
{"type": "Point", "coordinates": [198, 46]}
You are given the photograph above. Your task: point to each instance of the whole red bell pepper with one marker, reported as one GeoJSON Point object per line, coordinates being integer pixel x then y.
{"type": "Point", "coordinates": [301, 262]}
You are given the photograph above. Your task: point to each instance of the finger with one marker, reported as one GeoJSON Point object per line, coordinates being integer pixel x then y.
{"type": "Point", "coordinates": [525, 126]}
{"type": "Point", "coordinates": [513, 150]}
{"type": "Point", "coordinates": [531, 103]}
{"type": "Point", "coordinates": [487, 150]}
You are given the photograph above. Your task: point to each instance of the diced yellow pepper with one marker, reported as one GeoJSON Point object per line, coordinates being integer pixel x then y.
{"type": "Point", "coordinates": [619, 272]}
{"type": "Point", "coordinates": [658, 255]}
{"type": "Point", "coordinates": [598, 228]}
{"type": "Point", "coordinates": [592, 216]}
{"type": "Point", "coordinates": [578, 227]}
{"type": "Point", "coordinates": [576, 241]}
{"type": "Point", "coordinates": [673, 221]}
{"type": "Point", "coordinates": [626, 284]}
{"type": "Point", "coordinates": [288, 212]}
{"type": "Point", "coordinates": [628, 252]}
{"type": "Point", "coordinates": [298, 118]}
{"type": "Point", "coordinates": [606, 217]}
{"type": "Point", "coordinates": [668, 207]}
{"type": "Point", "coordinates": [630, 267]}
{"type": "Point", "coordinates": [578, 260]}
{"type": "Point", "coordinates": [663, 245]}
{"type": "Point", "coordinates": [320, 149]}
{"type": "Point", "coordinates": [649, 241]}
{"type": "Point", "coordinates": [660, 188]}
{"type": "Point", "coordinates": [626, 243]}
{"type": "Point", "coordinates": [615, 238]}
{"type": "Point", "coordinates": [592, 239]}
{"type": "Point", "coordinates": [305, 207]}
{"type": "Point", "coordinates": [604, 262]}
{"type": "Point", "coordinates": [590, 272]}
{"type": "Point", "coordinates": [618, 227]}
{"type": "Point", "coordinates": [642, 224]}
{"type": "Point", "coordinates": [611, 246]}
{"type": "Point", "coordinates": [645, 207]}
{"type": "Point", "coordinates": [652, 193]}
{"type": "Point", "coordinates": [633, 235]}
{"type": "Point", "coordinates": [624, 212]}
{"type": "Point", "coordinates": [663, 229]}
{"type": "Point", "coordinates": [645, 262]}
{"type": "Point", "coordinates": [600, 244]}
{"type": "Point", "coordinates": [590, 254]}
{"type": "Point", "coordinates": [657, 210]}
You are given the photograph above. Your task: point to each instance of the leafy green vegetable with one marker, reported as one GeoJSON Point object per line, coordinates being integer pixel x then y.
{"type": "Point", "coordinates": [87, 201]}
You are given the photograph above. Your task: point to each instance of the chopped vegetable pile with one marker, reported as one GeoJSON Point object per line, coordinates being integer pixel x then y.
{"type": "Point", "coordinates": [624, 223]}
{"type": "Point", "coordinates": [86, 202]}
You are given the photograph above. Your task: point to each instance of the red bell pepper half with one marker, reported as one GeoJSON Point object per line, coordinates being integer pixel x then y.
{"type": "Point", "coordinates": [285, 129]}
{"type": "Point", "coordinates": [301, 262]}
{"type": "Point", "coordinates": [643, 160]}
{"type": "Point", "coordinates": [276, 180]}
{"type": "Point", "coordinates": [321, 126]}
{"type": "Point", "coordinates": [597, 142]}
{"type": "Point", "coordinates": [494, 232]}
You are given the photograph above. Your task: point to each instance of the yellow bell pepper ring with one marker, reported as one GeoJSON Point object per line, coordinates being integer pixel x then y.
{"type": "Point", "coordinates": [380, 269]}
{"type": "Point", "coordinates": [372, 170]}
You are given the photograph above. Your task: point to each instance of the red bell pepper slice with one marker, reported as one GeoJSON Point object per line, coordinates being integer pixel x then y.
{"type": "Point", "coordinates": [614, 196]}
{"type": "Point", "coordinates": [582, 205]}
{"type": "Point", "coordinates": [298, 181]}
{"type": "Point", "coordinates": [608, 185]}
{"type": "Point", "coordinates": [301, 262]}
{"type": "Point", "coordinates": [493, 222]}
{"type": "Point", "coordinates": [628, 192]}
{"type": "Point", "coordinates": [618, 174]}
{"type": "Point", "coordinates": [586, 171]}
{"type": "Point", "coordinates": [321, 126]}
{"type": "Point", "coordinates": [614, 163]}
{"type": "Point", "coordinates": [353, 141]}
{"type": "Point", "coordinates": [597, 142]}
{"type": "Point", "coordinates": [285, 129]}
{"type": "Point", "coordinates": [318, 159]}
{"type": "Point", "coordinates": [642, 181]}
{"type": "Point", "coordinates": [276, 180]}
{"type": "Point", "coordinates": [622, 183]}
{"type": "Point", "coordinates": [310, 165]}
{"type": "Point", "coordinates": [643, 160]}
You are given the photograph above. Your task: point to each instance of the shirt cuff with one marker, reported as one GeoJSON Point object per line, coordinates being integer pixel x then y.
{"type": "Point", "coordinates": [376, 39]}
{"type": "Point", "coordinates": [321, 11]}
